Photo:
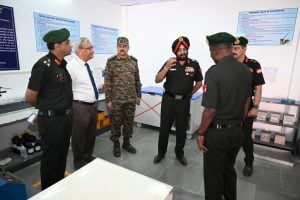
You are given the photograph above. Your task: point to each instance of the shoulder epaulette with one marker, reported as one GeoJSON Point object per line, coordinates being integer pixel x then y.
{"type": "Point", "coordinates": [133, 58]}
{"type": "Point", "coordinates": [46, 61]}
{"type": "Point", "coordinates": [252, 60]}
{"type": "Point", "coordinates": [112, 57]}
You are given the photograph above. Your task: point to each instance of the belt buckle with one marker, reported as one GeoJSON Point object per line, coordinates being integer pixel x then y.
{"type": "Point", "coordinates": [50, 113]}
{"type": "Point", "coordinates": [178, 97]}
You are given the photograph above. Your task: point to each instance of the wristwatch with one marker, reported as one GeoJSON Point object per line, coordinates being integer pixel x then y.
{"type": "Point", "coordinates": [256, 106]}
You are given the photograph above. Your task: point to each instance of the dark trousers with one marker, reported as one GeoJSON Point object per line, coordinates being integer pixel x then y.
{"type": "Point", "coordinates": [219, 173]}
{"type": "Point", "coordinates": [122, 114]}
{"type": "Point", "coordinates": [55, 133]}
{"type": "Point", "coordinates": [83, 132]}
{"type": "Point", "coordinates": [248, 141]}
{"type": "Point", "coordinates": [172, 109]}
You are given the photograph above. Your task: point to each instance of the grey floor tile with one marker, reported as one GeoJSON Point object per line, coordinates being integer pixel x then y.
{"type": "Point", "coordinates": [269, 180]}
{"type": "Point", "coordinates": [263, 194]}
{"type": "Point", "coordinates": [180, 194]}
{"type": "Point", "coordinates": [188, 177]}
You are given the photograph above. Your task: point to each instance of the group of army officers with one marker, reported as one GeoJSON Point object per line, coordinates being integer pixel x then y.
{"type": "Point", "coordinates": [66, 96]}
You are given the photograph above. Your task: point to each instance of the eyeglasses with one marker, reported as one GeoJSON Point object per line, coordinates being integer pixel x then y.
{"type": "Point", "coordinates": [87, 48]}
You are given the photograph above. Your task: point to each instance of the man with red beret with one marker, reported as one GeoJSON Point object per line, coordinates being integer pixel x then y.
{"type": "Point", "coordinates": [183, 78]}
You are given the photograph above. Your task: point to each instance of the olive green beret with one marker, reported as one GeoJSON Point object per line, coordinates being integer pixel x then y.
{"type": "Point", "coordinates": [56, 36]}
{"type": "Point", "coordinates": [122, 40]}
{"type": "Point", "coordinates": [241, 41]}
{"type": "Point", "coordinates": [182, 40]}
{"type": "Point", "coordinates": [221, 38]}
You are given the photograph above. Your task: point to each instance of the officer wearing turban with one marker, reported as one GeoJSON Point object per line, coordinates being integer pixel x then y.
{"type": "Point", "coordinates": [50, 91]}
{"type": "Point", "coordinates": [220, 135]}
{"type": "Point", "coordinates": [183, 78]}
{"type": "Point", "coordinates": [239, 53]}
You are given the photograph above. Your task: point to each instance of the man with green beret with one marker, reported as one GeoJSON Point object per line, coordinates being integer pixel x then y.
{"type": "Point", "coordinates": [122, 87]}
{"type": "Point", "coordinates": [225, 101]}
{"type": "Point", "coordinates": [183, 78]}
{"type": "Point", "coordinates": [239, 53]}
{"type": "Point", "coordinates": [50, 91]}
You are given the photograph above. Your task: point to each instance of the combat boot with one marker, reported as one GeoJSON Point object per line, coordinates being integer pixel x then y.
{"type": "Point", "coordinates": [117, 150]}
{"type": "Point", "coordinates": [127, 146]}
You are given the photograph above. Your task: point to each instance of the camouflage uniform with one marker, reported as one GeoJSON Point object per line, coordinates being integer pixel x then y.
{"type": "Point", "coordinates": [122, 87]}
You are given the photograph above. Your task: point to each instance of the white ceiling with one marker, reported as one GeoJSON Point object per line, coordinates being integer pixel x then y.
{"type": "Point", "coordinates": [137, 2]}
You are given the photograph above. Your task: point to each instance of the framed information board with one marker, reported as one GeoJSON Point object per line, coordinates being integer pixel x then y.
{"type": "Point", "coordinates": [9, 59]}
{"type": "Point", "coordinates": [268, 27]}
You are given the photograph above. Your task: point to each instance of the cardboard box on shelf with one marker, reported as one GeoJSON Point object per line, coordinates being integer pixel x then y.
{"type": "Point", "coordinates": [100, 115]}
{"type": "Point", "coordinates": [265, 137]}
{"type": "Point", "coordinates": [279, 139]}
{"type": "Point", "coordinates": [262, 116]}
{"type": "Point", "coordinates": [289, 119]}
{"type": "Point", "coordinates": [275, 117]}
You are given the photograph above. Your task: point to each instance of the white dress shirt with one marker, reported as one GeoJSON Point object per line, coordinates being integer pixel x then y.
{"type": "Point", "coordinates": [81, 83]}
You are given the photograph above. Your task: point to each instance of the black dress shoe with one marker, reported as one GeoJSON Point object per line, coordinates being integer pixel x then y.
{"type": "Point", "coordinates": [128, 147]}
{"type": "Point", "coordinates": [117, 150]}
{"type": "Point", "coordinates": [182, 160]}
{"type": "Point", "coordinates": [248, 171]}
{"type": "Point", "coordinates": [158, 158]}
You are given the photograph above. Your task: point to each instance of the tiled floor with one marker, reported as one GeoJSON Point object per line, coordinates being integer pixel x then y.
{"type": "Point", "coordinates": [270, 180]}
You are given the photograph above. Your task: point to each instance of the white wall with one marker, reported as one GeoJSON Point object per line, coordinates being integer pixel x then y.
{"type": "Point", "coordinates": [153, 27]}
{"type": "Point", "coordinates": [88, 12]}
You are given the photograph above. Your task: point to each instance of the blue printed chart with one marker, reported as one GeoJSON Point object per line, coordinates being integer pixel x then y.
{"type": "Point", "coordinates": [44, 23]}
{"type": "Point", "coordinates": [268, 27]}
{"type": "Point", "coordinates": [104, 39]}
{"type": "Point", "coordinates": [8, 42]}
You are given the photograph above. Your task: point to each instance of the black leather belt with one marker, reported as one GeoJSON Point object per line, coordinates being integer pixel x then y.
{"type": "Point", "coordinates": [177, 97]}
{"type": "Point", "coordinates": [223, 126]}
{"type": "Point", "coordinates": [50, 113]}
{"type": "Point", "coordinates": [84, 103]}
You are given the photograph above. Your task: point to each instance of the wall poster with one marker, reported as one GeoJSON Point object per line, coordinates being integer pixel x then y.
{"type": "Point", "coordinates": [268, 27]}
{"type": "Point", "coordinates": [44, 23]}
{"type": "Point", "coordinates": [9, 59]}
{"type": "Point", "coordinates": [104, 39]}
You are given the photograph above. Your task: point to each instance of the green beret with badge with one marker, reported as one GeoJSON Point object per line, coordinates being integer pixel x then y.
{"type": "Point", "coordinates": [221, 38]}
{"type": "Point", "coordinates": [122, 40]}
{"type": "Point", "coordinates": [56, 36]}
{"type": "Point", "coordinates": [241, 41]}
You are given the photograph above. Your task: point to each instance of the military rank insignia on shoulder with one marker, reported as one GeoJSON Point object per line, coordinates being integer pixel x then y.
{"type": "Point", "coordinates": [46, 61]}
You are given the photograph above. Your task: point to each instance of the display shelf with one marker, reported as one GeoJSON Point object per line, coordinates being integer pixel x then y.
{"type": "Point", "coordinates": [277, 119]}
{"type": "Point", "coordinates": [289, 146]}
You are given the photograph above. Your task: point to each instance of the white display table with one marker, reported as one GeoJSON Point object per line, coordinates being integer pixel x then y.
{"type": "Point", "coordinates": [148, 112]}
{"type": "Point", "coordinates": [104, 180]}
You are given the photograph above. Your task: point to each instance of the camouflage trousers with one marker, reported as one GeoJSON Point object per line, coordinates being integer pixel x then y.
{"type": "Point", "coordinates": [121, 118]}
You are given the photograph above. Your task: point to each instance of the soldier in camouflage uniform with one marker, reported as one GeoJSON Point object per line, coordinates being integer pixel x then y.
{"type": "Point", "coordinates": [122, 91]}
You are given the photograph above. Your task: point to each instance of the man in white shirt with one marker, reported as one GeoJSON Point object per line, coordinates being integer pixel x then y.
{"type": "Point", "coordinates": [85, 96]}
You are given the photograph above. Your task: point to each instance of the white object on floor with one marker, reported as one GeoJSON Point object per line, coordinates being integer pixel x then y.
{"type": "Point", "coordinates": [5, 161]}
{"type": "Point", "coordinates": [104, 180]}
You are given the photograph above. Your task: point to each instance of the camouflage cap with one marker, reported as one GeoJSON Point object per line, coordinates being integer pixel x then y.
{"type": "Point", "coordinates": [122, 40]}
{"type": "Point", "coordinates": [241, 41]}
{"type": "Point", "coordinates": [221, 38]}
{"type": "Point", "coordinates": [56, 36]}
